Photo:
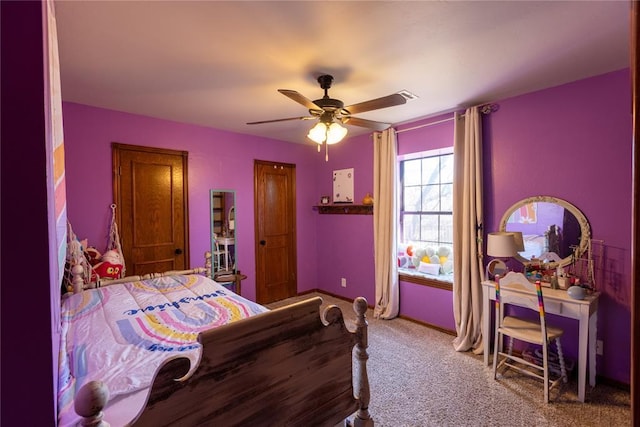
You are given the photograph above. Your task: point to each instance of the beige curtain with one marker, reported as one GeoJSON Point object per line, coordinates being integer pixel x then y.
{"type": "Point", "coordinates": [467, 231]}
{"type": "Point", "coordinates": [385, 224]}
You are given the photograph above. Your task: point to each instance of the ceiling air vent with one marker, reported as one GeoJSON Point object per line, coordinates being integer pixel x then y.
{"type": "Point", "coordinates": [408, 95]}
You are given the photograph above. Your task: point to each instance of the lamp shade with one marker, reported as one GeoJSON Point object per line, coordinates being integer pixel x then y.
{"type": "Point", "coordinates": [501, 244]}
{"type": "Point", "coordinates": [318, 133]}
{"type": "Point", "coordinates": [329, 133]}
{"type": "Point", "coordinates": [336, 133]}
{"type": "Point", "coordinates": [517, 236]}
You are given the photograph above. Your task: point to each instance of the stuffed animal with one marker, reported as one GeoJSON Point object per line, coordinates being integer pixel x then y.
{"type": "Point", "coordinates": [112, 257]}
{"type": "Point", "coordinates": [110, 265]}
{"type": "Point", "coordinates": [443, 254]}
{"type": "Point", "coordinates": [418, 254]}
{"type": "Point", "coordinates": [107, 270]}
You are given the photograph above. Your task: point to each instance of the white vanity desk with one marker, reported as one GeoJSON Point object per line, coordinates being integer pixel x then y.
{"type": "Point", "coordinates": [558, 302]}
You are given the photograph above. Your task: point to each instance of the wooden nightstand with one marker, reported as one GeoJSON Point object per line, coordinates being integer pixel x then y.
{"type": "Point", "coordinates": [227, 278]}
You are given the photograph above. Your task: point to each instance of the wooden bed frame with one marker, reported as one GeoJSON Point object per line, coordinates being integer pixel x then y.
{"type": "Point", "coordinates": [288, 366]}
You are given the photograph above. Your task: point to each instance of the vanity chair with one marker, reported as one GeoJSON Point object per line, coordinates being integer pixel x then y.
{"type": "Point", "coordinates": [220, 256]}
{"type": "Point", "coordinates": [509, 291]}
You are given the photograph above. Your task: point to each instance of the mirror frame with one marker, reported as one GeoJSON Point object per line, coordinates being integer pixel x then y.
{"type": "Point", "coordinates": [585, 229]}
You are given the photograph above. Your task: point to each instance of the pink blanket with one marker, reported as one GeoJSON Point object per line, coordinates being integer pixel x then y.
{"type": "Point", "coordinates": [120, 334]}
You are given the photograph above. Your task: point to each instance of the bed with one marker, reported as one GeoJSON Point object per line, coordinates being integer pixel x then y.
{"type": "Point", "coordinates": [178, 348]}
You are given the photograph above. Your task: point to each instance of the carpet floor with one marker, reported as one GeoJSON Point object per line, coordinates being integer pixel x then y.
{"type": "Point", "coordinates": [418, 379]}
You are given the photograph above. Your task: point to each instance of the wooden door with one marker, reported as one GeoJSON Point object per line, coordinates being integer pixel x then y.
{"type": "Point", "coordinates": [150, 190]}
{"type": "Point", "coordinates": [275, 216]}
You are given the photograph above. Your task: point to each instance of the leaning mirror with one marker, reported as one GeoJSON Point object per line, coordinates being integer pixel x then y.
{"type": "Point", "coordinates": [223, 232]}
{"type": "Point", "coordinates": [551, 228]}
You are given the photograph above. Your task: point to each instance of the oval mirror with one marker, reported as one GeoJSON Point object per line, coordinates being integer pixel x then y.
{"type": "Point", "coordinates": [552, 229]}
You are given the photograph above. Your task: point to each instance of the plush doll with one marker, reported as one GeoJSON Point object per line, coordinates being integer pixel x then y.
{"type": "Point", "coordinates": [112, 257]}
{"type": "Point", "coordinates": [106, 270]}
{"type": "Point", "coordinates": [110, 265]}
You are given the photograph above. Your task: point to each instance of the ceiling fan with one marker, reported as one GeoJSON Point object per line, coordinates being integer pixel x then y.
{"type": "Point", "coordinates": [331, 111]}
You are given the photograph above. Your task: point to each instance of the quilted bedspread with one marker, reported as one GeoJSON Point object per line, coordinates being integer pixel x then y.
{"type": "Point", "coordinates": [120, 334]}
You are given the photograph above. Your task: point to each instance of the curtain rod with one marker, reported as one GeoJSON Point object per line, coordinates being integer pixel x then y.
{"type": "Point", "coordinates": [425, 125]}
{"type": "Point", "coordinates": [484, 109]}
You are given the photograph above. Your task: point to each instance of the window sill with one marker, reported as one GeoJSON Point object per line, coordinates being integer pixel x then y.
{"type": "Point", "coordinates": [426, 281]}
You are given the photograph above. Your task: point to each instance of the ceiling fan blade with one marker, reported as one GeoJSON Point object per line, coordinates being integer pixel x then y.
{"type": "Point", "coordinates": [355, 121]}
{"type": "Point", "coordinates": [282, 120]}
{"type": "Point", "coordinates": [375, 104]}
{"type": "Point", "coordinates": [299, 98]}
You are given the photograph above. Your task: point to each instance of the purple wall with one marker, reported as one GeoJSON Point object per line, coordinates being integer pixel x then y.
{"type": "Point", "coordinates": [572, 142]}
{"type": "Point", "coordinates": [345, 248]}
{"type": "Point", "coordinates": [217, 159]}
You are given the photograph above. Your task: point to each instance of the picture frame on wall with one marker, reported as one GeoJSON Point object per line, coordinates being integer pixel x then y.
{"type": "Point", "coordinates": [343, 186]}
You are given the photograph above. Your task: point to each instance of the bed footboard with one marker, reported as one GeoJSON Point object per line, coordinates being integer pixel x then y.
{"type": "Point", "coordinates": [288, 366]}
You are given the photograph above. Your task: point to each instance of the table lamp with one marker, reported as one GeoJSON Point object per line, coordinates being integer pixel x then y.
{"type": "Point", "coordinates": [517, 236]}
{"type": "Point", "coordinates": [500, 245]}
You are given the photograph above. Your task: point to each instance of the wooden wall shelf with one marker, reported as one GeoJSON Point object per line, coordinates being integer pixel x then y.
{"type": "Point", "coordinates": [346, 209]}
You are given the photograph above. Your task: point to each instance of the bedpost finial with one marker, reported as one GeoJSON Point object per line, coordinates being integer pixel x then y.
{"type": "Point", "coordinates": [89, 403]}
{"type": "Point", "coordinates": [77, 278]}
{"type": "Point", "coordinates": [360, 306]}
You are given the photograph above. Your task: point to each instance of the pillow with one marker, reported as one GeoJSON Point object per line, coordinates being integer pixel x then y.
{"type": "Point", "coordinates": [429, 268]}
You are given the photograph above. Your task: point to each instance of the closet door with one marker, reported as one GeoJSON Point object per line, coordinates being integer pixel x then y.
{"type": "Point", "coordinates": [275, 190]}
{"type": "Point", "coordinates": [150, 190]}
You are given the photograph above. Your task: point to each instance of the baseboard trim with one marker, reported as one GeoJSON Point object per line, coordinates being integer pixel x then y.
{"type": "Point", "coordinates": [613, 383]}
{"type": "Point", "coordinates": [429, 325]}
{"type": "Point", "coordinates": [408, 318]}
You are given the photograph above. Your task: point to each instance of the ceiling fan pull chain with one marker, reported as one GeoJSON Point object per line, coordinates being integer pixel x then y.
{"type": "Point", "coordinates": [326, 155]}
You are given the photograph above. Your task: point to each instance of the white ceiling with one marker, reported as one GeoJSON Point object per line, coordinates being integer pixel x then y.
{"type": "Point", "coordinates": [219, 63]}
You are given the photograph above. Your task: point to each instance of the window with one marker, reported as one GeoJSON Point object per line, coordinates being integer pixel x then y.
{"type": "Point", "coordinates": [426, 215]}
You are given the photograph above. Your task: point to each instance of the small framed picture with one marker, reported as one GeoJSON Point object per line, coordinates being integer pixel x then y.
{"type": "Point", "coordinates": [343, 186]}
{"type": "Point", "coordinates": [324, 200]}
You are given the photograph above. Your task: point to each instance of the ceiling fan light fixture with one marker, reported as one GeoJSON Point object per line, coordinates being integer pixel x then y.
{"type": "Point", "coordinates": [325, 133]}
{"type": "Point", "coordinates": [318, 133]}
{"type": "Point", "coordinates": [336, 133]}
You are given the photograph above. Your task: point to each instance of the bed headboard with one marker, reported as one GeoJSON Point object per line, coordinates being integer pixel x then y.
{"type": "Point", "coordinates": [79, 283]}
